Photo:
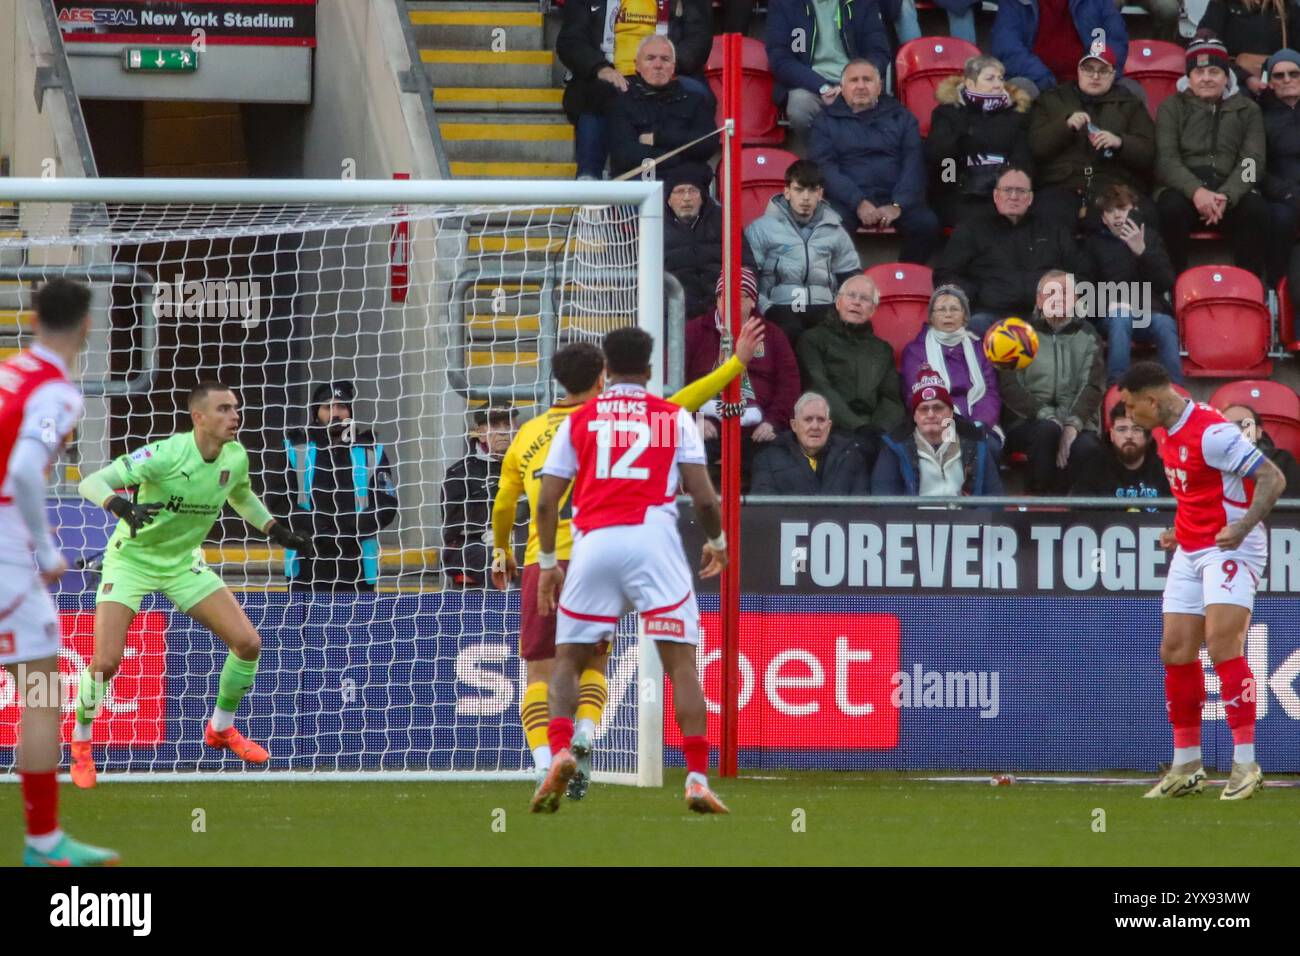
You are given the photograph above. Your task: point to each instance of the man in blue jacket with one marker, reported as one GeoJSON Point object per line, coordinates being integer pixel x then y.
{"type": "Point", "coordinates": [809, 42]}
{"type": "Point", "coordinates": [1042, 41]}
{"type": "Point", "coordinates": [869, 150]}
{"type": "Point", "coordinates": [938, 453]}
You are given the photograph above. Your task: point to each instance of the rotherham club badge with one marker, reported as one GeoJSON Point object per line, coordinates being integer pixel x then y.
{"type": "Point", "coordinates": [225, 477]}
{"type": "Point", "coordinates": [1182, 455]}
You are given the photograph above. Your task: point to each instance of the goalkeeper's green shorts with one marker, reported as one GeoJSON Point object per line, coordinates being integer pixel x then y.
{"type": "Point", "coordinates": [126, 583]}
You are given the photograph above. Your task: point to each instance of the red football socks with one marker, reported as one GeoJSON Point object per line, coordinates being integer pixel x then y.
{"type": "Point", "coordinates": [1185, 696]}
{"type": "Point", "coordinates": [40, 802]}
{"type": "Point", "coordinates": [559, 733]}
{"type": "Point", "coordinates": [696, 750]}
{"type": "Point", "coordinates": [1238, 695]}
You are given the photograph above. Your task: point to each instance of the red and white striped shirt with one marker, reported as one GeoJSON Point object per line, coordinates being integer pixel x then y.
{"type": "Point", "coordinates": [1209, 463]}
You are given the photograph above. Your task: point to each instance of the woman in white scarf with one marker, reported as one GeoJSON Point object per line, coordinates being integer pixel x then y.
{"type": "Point", "coordinates": [946, 345]}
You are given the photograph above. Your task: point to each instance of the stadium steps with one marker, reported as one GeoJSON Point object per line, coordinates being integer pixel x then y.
{"type": "Point", "coordinates": [498, 111]}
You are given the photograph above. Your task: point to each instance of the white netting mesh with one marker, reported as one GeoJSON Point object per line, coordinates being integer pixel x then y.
{"type": "Point", "coordinates": [276, 301]}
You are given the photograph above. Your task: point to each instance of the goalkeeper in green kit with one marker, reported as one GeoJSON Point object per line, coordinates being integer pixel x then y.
{"type": "Point", "coordinates": [181, 483]}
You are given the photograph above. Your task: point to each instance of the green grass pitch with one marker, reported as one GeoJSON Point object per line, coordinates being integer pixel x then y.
{"type": "Point", "coordinates": [859, 819]}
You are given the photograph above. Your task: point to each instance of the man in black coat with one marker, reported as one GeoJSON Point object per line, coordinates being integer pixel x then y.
{"type": "Point", "coordinates": [1126, 466]}
{"type": "Point", "coordinates": [810, 459]}
{"type": "Point", "coordinates": [599, 59]}
{"type": "Point", "coordinates": [468, 492]}
{"type": "Point", "coordinates": [326, 459]}
{"type": "Point", "coordinates": [1280, 104]}
{"type": "Point", "coordinates": [693, 228]}
{"type": "Point", "coordinates": [658, 114]}
{"type": "Point", "coordinates": [998, 257]}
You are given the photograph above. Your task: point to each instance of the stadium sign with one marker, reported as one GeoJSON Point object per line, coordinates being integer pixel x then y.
{"type": "Point", "coordinates": [849, 550]}
{"type": "Point", "coordinates": [235, 22]}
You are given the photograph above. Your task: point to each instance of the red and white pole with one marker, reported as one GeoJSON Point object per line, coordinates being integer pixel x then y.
{"type": "Point", "coordinates": [730, 584]}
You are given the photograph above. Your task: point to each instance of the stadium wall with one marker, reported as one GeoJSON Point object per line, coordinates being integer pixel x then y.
{"type": "Point", "coordinates": [904, 639]}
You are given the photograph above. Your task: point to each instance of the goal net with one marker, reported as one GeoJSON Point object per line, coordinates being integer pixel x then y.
{"type": "Point", "coordinates": [429, 312]}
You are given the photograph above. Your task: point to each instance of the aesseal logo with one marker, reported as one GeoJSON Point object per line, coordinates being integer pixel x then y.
{"type": "Point", "coordinates": [89, 16]}
{"type": "Point", "coordinates": [77, 909]}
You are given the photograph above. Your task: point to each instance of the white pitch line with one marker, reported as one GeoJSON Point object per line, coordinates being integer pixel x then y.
{"type": "Point", "coordinates": [1088, 781]}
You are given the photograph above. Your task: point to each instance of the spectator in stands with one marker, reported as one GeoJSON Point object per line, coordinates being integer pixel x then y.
{"type": "Point", "coordinates": [961, 20]}
{"type": "Point", "coordinates": [468, 490]}
{"type": "Point", "coordinates": [1042, 41]}
{"type": "Point", "coordinates": [1052, 407]}
{"type": "Point", "coordinates": [341, 495]}
{"type": "Point", "coordinates": [768, 386]}
{"type": "Point", "coordinates": [811, 459]}
{"type": "Point", "coordinates": [868, 147]}
{"type": "Point", "coordinates": [979, 124]}
{"type": "Point", "coordinates": [1209, 153]}
{"type": "Point", "coordinates": [1126, 466]}
{"type": "Point", "coordinates": [598, 43]}
{"type": "Point", "coordinates": [1245, 418]}
{"type": "Point", "coordinates": [938, 453]}
{"type": "Point", "coordinates": [997, 257]}
{"type": "Point", "coordinates": [1126, 251]}
{"type": "Point", "coordinates": [802, 253]}
{"type": "Point", "coordinates": [1164, 17]}
{"type": "Point", "coordinates": [810, 42]}
{"type": "Point", "coordinates": [657, 115]}
{"type": "Point", "coordinates": [844, 360]}
{"type": "Point", "coordinates": [736, 15]}
{"type": "Point", "coordinates": [1281, 185]}
{"type": "Point", "coordinates": [1251, 31]}
{"type": "Point", "coordinates": [948, 348]}
{"type": "Point", "coordinates": [1087, 134]}
{"type": "Point", "coordinates": [693, 235]}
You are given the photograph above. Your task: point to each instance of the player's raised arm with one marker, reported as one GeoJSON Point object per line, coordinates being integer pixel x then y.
{"type": "Point", "coordinates": [100, 488]}
{"type": "Point", "coordinates": [692, 396]}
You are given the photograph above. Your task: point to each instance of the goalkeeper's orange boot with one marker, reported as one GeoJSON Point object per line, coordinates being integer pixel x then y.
{"type": "Point", "coordinates": [546, 798]}
{"type": "Point", "coordinates": [83, 764]}
{"type": "Point", "coordinates": [236, 743]}
{"type": "Point", "coordinates": [703, 800]}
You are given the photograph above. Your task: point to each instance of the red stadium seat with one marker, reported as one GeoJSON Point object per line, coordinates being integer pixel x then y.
{"type": "Point", "coordinates": [758, 121]}
{"type": "Point", "coordinates": [1277, 406]}
{"type": "Point", "coordinates": [1157, 66]}
{"type": "Point", "coordinates": [1224, 323]}
{"type": "Point", "coordinates": [905, 291]}
{"type": "Point", "coordinates": [1111, 399]}
{"type": "Point", "coordinates": [1286, 330]}
{"type": "Point", "coordinates": [921, 65]}
{"type": "Point", "coordinates": [762, 176]}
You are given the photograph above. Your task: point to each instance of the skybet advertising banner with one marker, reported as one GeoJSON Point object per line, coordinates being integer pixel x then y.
{"type": "Point", "coordinates": [246, 22]}
{"type": "Point", "coordinates": [869, 638]}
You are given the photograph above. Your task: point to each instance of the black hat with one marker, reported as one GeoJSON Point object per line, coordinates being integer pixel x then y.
{"type": "Point", "coordinates": [697, 174]}
{"type": "Point", "coordinates": [343, 392]}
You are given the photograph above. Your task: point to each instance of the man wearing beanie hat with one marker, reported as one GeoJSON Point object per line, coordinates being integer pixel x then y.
{"type": "Point", "coordinates": [769, 386]}
{"type": "Point", "coordinates": [693, 229]}
{"type": "Point", "coordinates": [341, 494]}
{"type": "Point", "coordinates": [1210, 154]}
{"type": "Point", "coordinates": [938, 453]}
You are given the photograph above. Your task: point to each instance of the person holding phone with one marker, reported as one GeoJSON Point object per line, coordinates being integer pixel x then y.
{"type": "Point", "coordinates": [1126, 250]}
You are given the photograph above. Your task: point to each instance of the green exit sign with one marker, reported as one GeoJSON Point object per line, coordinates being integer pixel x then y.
{"type": "Point", "coordinates": [154, 59]}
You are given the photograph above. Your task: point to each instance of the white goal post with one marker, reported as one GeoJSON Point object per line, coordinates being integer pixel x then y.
{"type": "Point", "coordinates": [442, 303]}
